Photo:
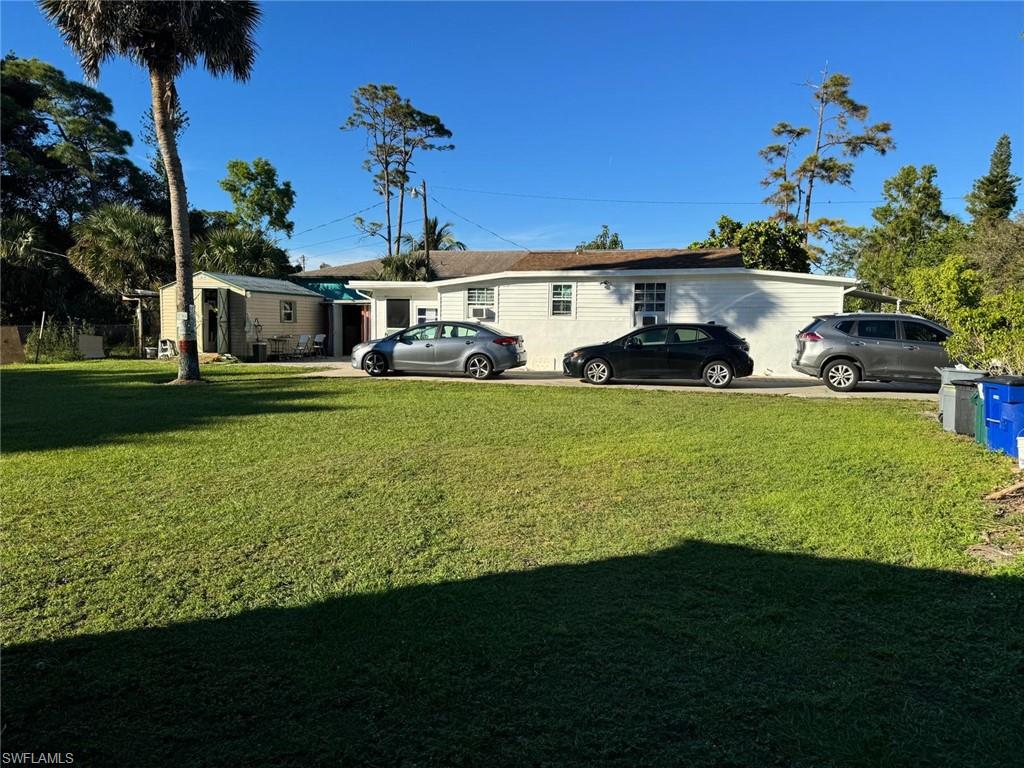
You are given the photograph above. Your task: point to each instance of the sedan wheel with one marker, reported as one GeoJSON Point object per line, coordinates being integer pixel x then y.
{"type": "Point", "coordinates": [718, 375]}
{"type": "Point", "coordinates": [375, 364]}
{"type": "Point", "coordinates": [841, 376]}
{"type": "Point", "coordinates": [597, 371]}
{"type": "Point", "coordinates": [479, 367]}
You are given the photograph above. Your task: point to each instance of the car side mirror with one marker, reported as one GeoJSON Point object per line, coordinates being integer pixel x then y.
{"type": "Point", "coordinates": [632, 343]}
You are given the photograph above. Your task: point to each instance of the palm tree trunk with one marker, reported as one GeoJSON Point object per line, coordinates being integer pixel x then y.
{"type": "Point", "coordinates": [188, 350]}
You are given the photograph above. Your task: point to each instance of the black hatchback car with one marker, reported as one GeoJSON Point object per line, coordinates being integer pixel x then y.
{"type": "Point", "coordinates": [674, 351]}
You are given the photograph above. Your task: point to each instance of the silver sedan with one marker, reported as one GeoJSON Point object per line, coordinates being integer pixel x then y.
{"type": "Point", "coordinates": [442, 347]}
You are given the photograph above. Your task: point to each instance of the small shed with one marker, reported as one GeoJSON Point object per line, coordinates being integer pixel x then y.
{"type": "Point", "coordinates": [229, 308]}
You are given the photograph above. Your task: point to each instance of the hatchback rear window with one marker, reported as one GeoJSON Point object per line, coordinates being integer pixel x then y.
{"type": "Point", "coordinates": [814, 324]}
{"type": "Point", "coordinates": [844, 326]}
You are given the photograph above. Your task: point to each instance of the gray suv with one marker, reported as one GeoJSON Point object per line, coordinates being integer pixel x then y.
{"type": "Point", "coordinates": [845, 349]}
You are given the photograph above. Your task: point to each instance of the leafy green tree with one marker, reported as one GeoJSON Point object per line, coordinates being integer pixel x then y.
{"type": "Point", "coordinates": [63, 154]}
{"type": "Point", "coordinates": [764, 244]}
{"type": "Point", "coordinates": [995, 194]}
{"type": "Point", "coordinates": [395, 132]}
{"type": "Point", "coordinates": [241, 252]}
{"type": "Point", "coordinates": [996, 248]}
{"type": "Point", "coordinates": [118, 248]}
{"type": "Point", "coordinates": [414, 265]}
{"type": "Point", "coordinates": [165, 38]}
{"type": "Point", "coordinates": [439, 237]}
{"type": "Point", "coordinates": [261, 202]}
{"type": "Point", "coordinates": [905, 226]}
{"type": "Point", "coordinates": [605, 241]}
{"type": "Point", "coordinates": [834, 145]}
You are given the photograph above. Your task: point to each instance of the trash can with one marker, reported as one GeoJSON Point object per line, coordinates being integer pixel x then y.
{"type": "Point", "coordinates": [1004, 412]}
{"type": "Point", "coordinates": [953, 375]}
{"type": "Point", "coordinates": [979, 417]}
{"type": "Point", "coordinates": [259, 351]}
{"type": "Point", "coordinates": [957, 410]}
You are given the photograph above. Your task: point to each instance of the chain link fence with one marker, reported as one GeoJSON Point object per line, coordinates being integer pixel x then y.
{"type": "Point", "coordinates": [60, 341]}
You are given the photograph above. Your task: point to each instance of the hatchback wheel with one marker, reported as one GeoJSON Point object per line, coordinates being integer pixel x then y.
{"type": "Point", "coordinates": [597, 371]}
{"type": "Point", "coordinates": [479, 367]}
{"type": "Point", "coordinates": [718, 374]}
{"type": "Point", "coordinates": [841, 375]}
{"type": "Point", "coordinates": [375, 364]}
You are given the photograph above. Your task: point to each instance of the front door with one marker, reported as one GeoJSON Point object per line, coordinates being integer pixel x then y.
{"type": "Point", "coordinates": [414, 349]}
{"type": "Point", "coordinates": [643, 354]}
{"type": "Point", "coordinates": [223, 317]}
{"type": "Point", "coordinates": [687, 348]}
{"type": "Point", "coordinates": [878, 346]}
{"type": "Point", "coordinates": [922, 351]}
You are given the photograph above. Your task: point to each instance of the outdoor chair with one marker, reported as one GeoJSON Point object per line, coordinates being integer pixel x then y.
{"type": "Point", "coordinates": [302, 346]}
{"type": "Point", "coordinates": [168, 348]}
{"type": "Point", "coordinates": [318, 344]}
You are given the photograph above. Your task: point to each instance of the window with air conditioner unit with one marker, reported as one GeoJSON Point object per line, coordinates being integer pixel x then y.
{"type": "Point", "coordinates": [480, 303]}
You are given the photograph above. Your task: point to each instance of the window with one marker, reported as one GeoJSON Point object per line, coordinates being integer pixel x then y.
{"type": "Point", "coordinates": [287, 311]}
{"type": "Point", "coordinates": [423, 333]}
{"type": "Point", "coordinates": [397, 313]}
{"type": "Point", "coordinates": [921, 332]}
{"type": "Point", "coordinates": [649, 338]}
{"type": "Point", "coordinates": [480, 297]}
{"type": "Point", "coordinates": [561, 300]}
{"type": "Point", "coordinates": [649, 297]}
{"type": "Point", "coordinates": [687, 336]}
{"type": "Point", "coordinates": [845, 326]}
{"type": "Point", "coordinates": [876, 329]}
{"type": "Point", "coordinates": [426, 314]}
{"type": "Point", "coordinates": [458, 332]}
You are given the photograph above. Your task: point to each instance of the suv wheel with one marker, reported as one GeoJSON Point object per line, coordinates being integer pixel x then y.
{"type": "Point", "coordinates": [841, 375]}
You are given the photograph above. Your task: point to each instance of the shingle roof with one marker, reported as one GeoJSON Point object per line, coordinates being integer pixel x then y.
{"type": "Point", "coordinates": [451, 264]}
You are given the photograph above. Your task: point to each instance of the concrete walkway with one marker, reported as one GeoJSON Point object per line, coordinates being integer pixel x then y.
{"type": "Point", "coordinates": [753, 385]}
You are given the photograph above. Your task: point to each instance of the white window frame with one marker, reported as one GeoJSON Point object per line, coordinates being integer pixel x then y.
{"type": "Point", "coordinates": [293, 308]}
{"type": "Point", "coordinates": [644, 310]}
{"type": "Point", "coordinates": [471, 304]}
{"type": "Point", "coordinates": [424, 319]}
{"type": "Point", "coordinates": [572, 301]}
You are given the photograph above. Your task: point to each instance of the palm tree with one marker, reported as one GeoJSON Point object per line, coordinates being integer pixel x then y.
{"type": "Point", "coordinates": [166, 37]}
{"type": "Point", "coordinates": [440, 238]}
{"type": "Point", "coordinates": [240, 252]}
{"type": "Point", "coordinates": [119, 247]}
{"type": "Point", "coordinates": [405, 266]}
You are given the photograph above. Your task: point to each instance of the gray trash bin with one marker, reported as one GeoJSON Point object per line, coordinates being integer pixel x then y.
{"type": "Point", "coordinates": [259, 352]}
{"type": "Point", "coordinates": [953, 404]}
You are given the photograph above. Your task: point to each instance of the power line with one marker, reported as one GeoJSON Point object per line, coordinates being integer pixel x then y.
{"type": "Point", "coordinates": [569, 198]}
{"type": "Point", "coordinates": [335, 221]}
{"type": "Point", "coordinates": [480, 226]}
{"type": "Point", "coordinates": [324, 242]}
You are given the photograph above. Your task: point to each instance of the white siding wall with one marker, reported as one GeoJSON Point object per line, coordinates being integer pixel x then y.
{"type": "Point", "coordinates": [766, 310]}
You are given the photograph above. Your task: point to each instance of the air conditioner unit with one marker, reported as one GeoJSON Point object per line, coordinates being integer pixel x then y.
{"type": "Point", "coordinates": [482, 313]}
{"type": "Point", "coordinates": [649, 320]}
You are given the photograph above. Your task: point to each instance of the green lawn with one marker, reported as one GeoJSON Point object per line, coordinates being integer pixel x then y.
{"type": "Point", "coordinates": [271, 570]}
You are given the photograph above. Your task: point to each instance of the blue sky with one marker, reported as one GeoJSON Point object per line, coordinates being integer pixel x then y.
{"type": "Point", "coordinates": [613, 101]}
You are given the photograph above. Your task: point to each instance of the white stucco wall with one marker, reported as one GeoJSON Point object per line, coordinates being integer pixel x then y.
{"type": "Point", "coordinates": [767, 309]}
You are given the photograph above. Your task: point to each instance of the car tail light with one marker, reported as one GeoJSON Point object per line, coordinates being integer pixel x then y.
{"type": "Point", "coordinates": [507, 341]}
{"type": "Point", "coordinates": [809, 336]}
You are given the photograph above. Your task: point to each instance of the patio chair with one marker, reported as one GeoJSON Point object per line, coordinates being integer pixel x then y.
{"type": "Point", "coordinates": [318, 344]}
{"type": "Point", "coordinates": [302, 346]}
{"type": "Point", "coordinates": [168, 349]}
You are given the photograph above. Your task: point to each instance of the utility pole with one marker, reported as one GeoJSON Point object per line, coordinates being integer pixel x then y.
{"type": "Point", "coordinates": [426, 242]}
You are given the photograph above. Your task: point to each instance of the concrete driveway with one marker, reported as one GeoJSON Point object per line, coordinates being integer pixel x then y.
{"type": "Point", "coordinates": [753, 385]}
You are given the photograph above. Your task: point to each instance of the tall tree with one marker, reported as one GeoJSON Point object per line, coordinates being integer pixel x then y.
{"type": "Point", "coordinates": [834, 144]}
{"type": "Point", "coordinates": [166, 37]}
{"type": "Point", "coordinates": [118, 248]}
{"type": "Point", "coordinates": [905, 228]}
{"type": "Point", "coordinates": [414, 265]}
{"type": "Point", "coordinates": [995, 194]}
{"type": "Point", "coordinates": [179, 124]}
{"type": "Point", "coordinates": [262, 203]}
{"type": "Point", "coordinates": [605, 241]}
{"type": "Point", "coordinates": [438, 237]}
{"type": "Point", "coordinates": [395, 131]}
{"type": "Point", "coordinates": [764, 244]}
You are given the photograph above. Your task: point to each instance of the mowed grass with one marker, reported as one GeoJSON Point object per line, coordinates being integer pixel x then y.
{"type": "Point", "coordinates": [271, 570]}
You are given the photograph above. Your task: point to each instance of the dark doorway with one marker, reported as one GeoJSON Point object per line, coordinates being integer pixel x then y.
{"type": "Point", "coordinates": [209, 320]}
{"type": "Point", "coordinates": [351, 327]}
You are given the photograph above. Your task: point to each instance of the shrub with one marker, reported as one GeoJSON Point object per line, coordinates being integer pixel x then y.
{"type": "Point", "coordinates": [57, 344]}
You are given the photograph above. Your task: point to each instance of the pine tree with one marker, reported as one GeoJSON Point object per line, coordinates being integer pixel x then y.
{"type": "Point", "coordinates": [995, 194]}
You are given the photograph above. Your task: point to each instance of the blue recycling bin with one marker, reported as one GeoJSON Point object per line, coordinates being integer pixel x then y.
{"type": "Point", "coordinates": [1004, 412]}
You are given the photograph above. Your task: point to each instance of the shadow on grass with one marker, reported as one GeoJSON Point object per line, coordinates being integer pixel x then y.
{"type": "Point", "coordinates": [699, 655]}
{"type": "Point", "coordinates": [49, 408]}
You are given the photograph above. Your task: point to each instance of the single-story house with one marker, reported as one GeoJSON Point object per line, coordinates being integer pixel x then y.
{"type": "Point", "coordinates": [230, 308]}
{"type": "Point", "coordinates": [557, 300]}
